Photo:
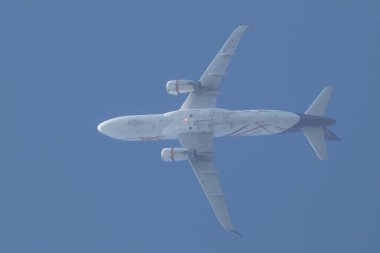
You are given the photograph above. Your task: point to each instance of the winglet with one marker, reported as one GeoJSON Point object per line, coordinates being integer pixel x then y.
{"type": "Point", "coordinates": [236, 233]}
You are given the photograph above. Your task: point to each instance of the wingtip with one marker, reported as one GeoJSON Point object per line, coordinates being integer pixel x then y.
{"type": "Point", "coordinates": [245, 27]}
{"type": "Point", "coordinates": [236, 233]}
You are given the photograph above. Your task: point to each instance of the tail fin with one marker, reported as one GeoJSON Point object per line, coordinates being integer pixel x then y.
{"type": "Point", "coordinates": [316, 135]}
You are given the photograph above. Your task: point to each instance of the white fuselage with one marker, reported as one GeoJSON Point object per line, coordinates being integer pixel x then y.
{"type": "Point", "coordinates": [219, 121]}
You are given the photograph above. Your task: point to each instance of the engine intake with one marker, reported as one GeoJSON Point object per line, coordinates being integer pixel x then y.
{"type": "Point", "coordinates": [174, 87]}
{"type": "Point", "coordinates": [174, 154]}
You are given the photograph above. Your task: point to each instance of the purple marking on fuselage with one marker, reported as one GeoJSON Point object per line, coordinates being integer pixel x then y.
{"type": "Point", "coordinates": [259, 126]}
{"type": "Point", "coordinates": [236, 131]}
{"type": "Point", "coordinates": [280, 128]}
{"type": "Point", "coordinates": [263, 126]}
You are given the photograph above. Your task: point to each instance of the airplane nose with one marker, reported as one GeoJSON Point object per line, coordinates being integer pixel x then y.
{"type": "Point", "coordinates": [115, 128]}
{"type": "Point", "coordinates": [112, 128]}
{"type": "Point", "coordinates": [102, 127]}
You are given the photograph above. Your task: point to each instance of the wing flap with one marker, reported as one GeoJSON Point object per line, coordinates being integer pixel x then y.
{"type": "Point", "coordinates": [213, 191]}
{"type": "Point", "coordinates": [203, 166]}
{"type": "Point", "coordinates": [220, 62]}
{"type": "Point", "coordinates": [216, 70]}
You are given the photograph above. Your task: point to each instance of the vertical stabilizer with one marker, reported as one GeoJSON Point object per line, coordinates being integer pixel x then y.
{"type": "Point", "coordinates": [316, 138]}
{"type": "Point", "coordinates": [318, 107]}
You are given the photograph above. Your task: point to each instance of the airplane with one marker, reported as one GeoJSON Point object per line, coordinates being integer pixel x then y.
{"type": "Point", "coordinates": [198, 121]}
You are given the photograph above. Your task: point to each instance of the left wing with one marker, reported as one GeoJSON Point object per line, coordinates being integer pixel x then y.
{"type": "Point", "coordinates": [205, 97]}
{"type": "Point", "coordinates": [202, 162]}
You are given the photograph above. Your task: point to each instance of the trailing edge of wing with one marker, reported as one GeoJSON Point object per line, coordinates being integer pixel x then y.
{"type": "Point", "coordinates": [217, 68]}
{"type": "Point", "coordinates": [204, 169]}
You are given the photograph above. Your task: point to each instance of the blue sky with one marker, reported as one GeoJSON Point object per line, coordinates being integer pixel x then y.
{"type": "Point", "coordinates": [66, 66]}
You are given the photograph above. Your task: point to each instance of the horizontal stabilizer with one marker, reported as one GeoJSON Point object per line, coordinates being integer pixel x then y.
{"type": "Point", "coordinates": [329, 135]}
{"type": "Point", "coordinates": [236, 233]}
{"type": "Point", "coordinates": [316, 138]}
{"type": "Point", "coordinates": [318, 107]}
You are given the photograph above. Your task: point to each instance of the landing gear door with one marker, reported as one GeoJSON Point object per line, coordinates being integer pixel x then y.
{"type": "Point", "coordinates": [200, 121]}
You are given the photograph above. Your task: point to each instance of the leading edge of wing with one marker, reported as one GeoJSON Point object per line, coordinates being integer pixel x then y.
{"type": "Point", "coordinates": [216, 70]}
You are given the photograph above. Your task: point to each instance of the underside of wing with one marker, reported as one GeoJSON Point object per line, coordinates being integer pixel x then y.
{"type": "Point", "coordinates": [205, 97]}
{"type": "Point", "coordinates": [201, 161]}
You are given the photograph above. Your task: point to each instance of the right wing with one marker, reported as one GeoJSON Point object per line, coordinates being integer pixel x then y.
{"type": "Point", "coordinates": [211, 78]}
{"type": "Point", "coordinates": [202, 162]}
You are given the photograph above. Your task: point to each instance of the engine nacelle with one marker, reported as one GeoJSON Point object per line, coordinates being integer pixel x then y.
{"type": "Point", "coordinates": [174, 154]}
{"type": "Point", "coordinates": [174, 87]}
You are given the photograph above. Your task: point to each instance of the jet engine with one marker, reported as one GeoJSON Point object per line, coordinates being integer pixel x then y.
{"type": "Point", "coordinates": [174, 87]}
{"type": "Point", "coordinates": [174, 154]}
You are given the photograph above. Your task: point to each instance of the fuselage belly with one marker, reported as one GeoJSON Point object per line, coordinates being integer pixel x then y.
{"type": "Point", "coordinates": [221, 122]}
